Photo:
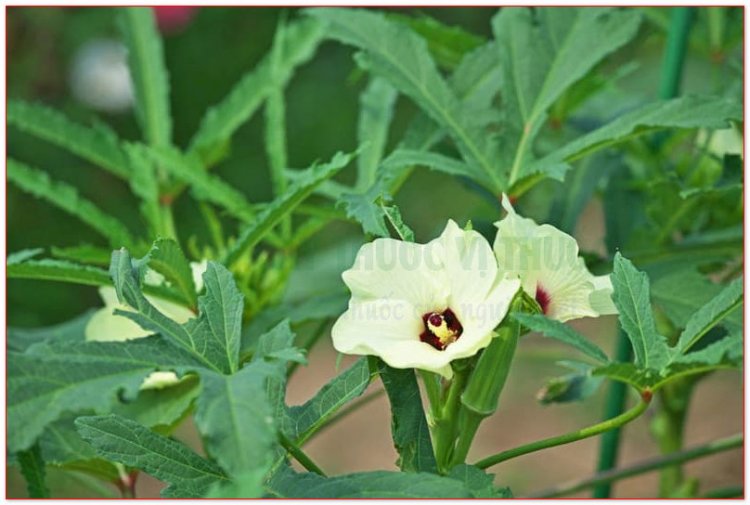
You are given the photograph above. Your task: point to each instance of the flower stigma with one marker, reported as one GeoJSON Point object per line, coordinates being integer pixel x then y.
{"type": "Point", "coordinates": [441, 329]}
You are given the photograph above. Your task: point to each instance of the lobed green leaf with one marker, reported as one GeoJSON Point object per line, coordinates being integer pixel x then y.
{"type": "Point", "coordinates": [66, 197]}
{"type": "Point", "coordinates": [132, 444]}
{"type": "Point", "coordinates": [98, 144]}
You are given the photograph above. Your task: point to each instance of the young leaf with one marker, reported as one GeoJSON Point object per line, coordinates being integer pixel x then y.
{"type": "Point", "coordinates": [543, 53]}
{"type": "Point", "coordinates": [375, 113]}
{"type": "Point", "coordinates": [306, 419]}
{"type": "Point", "coordinates": [396, 53]}
{"type": "Point", "coordinates": [711, 314]}
{"type": "Point", "coordinates": [283, 205]}
{"type": "Point", "coordinates": [394, 217]}
{"type": "Point", "coordinates": [149, 73]}
{"type": "Point", "coordinates": [32, 469]}
{"type": "Point", "coordinates": [203, 185]}
{"type": "Point", "coordinates": [631, 296]}
{"type": "Point", "coordinates": [692, 111]}
{"type": "Point", "coordinates": [213, 338]}
{"type": "Point", "coordinates": [299, 40]}
{"type": "Point", "coordinates": [288, 484]}
{"type": "Point", "coordinates": [132, 444]}
{"type": "Point", "coordinates": [166, 258]}
{"type": "Point", "coordinates": [572, 387]}
{"type": "Point", "coordinates": [561, 332]}
{"type": "Point", "coordinates": [235, 418]}
{"type": "Point", "coordinates": [365, 208]}
{"type": "Point", "coordinates": [66, 197]}
{"type": "Point", "coordinates": [98, 145]}
{"type": "Point", "coordinates": [411, 434]}
{"type": "Point", "coordinates": [69, 376]}
{"type": "Point", "coordinates": [629, 373]}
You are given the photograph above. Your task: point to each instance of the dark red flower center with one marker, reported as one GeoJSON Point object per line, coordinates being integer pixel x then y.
{"type": "Point", "coordinates": [542, 298]}
{"type": "Point", "coordinates": [441, 329]}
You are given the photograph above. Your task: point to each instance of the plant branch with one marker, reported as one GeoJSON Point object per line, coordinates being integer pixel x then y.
{"type": "Point", "coordinates": [646, 466]}
{"type": "Point", "coordinates": [567, 438]}
{"type": "Point", "coordinates": [299, 455]}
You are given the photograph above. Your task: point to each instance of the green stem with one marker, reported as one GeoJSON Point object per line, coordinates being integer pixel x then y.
{"type": "Point", "coordinates": [610, 441]}
{"type": "Point", "coordinates": [674, 53]}
{"type": "Point", "coordinates": [567, 438]}
{"type": "Point", "coordinates": [299, 455]}
{"type": "Point", "coordinates": [469, 424]}
{"type": "Point", "coordinates": [668, 428]}
{"type": "Point", "coordinates": [447, 421]}
{"type": "Point", "coordinates": [646, 466]}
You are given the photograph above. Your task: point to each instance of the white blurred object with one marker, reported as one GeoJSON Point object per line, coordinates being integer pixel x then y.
{"type": "Point", "coordinates": [100, 77]}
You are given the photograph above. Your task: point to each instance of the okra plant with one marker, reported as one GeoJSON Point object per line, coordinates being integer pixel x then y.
{"type": "Point", "coordinates": [529, 122]}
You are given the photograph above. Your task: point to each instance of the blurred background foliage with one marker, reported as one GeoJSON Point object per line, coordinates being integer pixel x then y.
{"type": "Point", "coordinates": [205, 58]}
{"type": "Point", "coordinates": [209, 52]}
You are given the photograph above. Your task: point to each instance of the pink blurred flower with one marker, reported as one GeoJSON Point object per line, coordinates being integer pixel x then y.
{"type": "Point", "coordinates": [173, 19]}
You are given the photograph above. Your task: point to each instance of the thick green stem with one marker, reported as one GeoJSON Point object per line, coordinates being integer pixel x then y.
{"type": "Point", "coordinates": [646, 466]}
{"type": "Point", "coordinates": [567, 438]}
{"type": "Point", "coordinates": [668, 428]}
{"type": "Point", "coordinates": [299, 455]}
{"type": "Point", "coordinates": [447, 421]}
{"type": "Point", "coordinates": [674, 53]}
{"type": "Point", "coordinates": [610, 441]}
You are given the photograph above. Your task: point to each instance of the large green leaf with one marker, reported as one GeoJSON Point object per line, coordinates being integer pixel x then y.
{"type": "Point", "coordinates": [288, 484]}
{"type": "Point", "coordinates": [543, 53]}
{"type": "Point", "coordinates": [235, 418]}
{"type": "Point", "coordinates": [631, 296]}
{"type": "Point", "coordinates": [69, 376]}
{"type": "Point", "coordinates": [283, 205]}
{"type": "Point", "coordinates": [397, 54]}
{"type": "Point", "coordinates": [97, 144]}
{"type": "Point", "coordinates": [684, 112]}
{"type": "Point", "coordinates": [20, 339]}
{"type": "Point", "coordinates": [213, 338]}
{"type": "Point", "coordinates": [477, 482]}
{"type": "Point", "coordinates": [66, 197]}
{"type": "Point", "coordinates": [411, 435]}
{"type": "Point", "coordinates": [299, 40]}
{"type": "Point", "coordinates": [712, 313]}
{"type": "Point", "coordinates": [149, 73]}
{"type": "Point", "coordinates": [561, 332]}
{"type": "Point", "coordinates": [132, 444]}
{"type": "Point", "coordinates": [306, 419]}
